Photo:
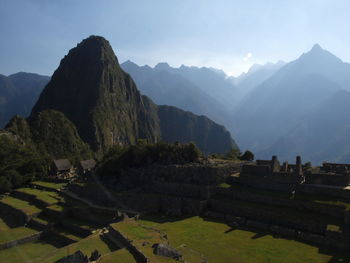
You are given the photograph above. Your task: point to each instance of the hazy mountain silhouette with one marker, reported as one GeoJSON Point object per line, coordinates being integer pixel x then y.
{"type": "Point", "coordinates": [209, 80]}
{"type": "Point", "coordinates": [256, 75]}
{"type": "Point", "coordinates": [18, 94]}
{"type": "Point", "coordinates": [275, 107]}
{"type": "Point", "coordinates": [171, 88]}
{"type": "Point", "coordinates": [324, 134]}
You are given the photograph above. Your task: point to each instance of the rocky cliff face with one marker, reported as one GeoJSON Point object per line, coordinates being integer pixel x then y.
{"type": "Point", "coordinates": [102, 101]}
{"type": "Point", "coordinates": [184, 126]}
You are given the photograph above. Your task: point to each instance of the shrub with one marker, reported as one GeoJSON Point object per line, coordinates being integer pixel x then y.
{"type": "Point", "coordinates": [143, 154]}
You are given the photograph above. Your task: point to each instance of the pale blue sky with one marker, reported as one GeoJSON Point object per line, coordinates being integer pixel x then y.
{"type": "Point", "coordinates": [36, 34]}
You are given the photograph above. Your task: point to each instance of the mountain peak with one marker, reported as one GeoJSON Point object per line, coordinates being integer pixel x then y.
{"type": "Point", "coordinates": [162, 66]}
{"type": "Point", "coordinates": [316, 47]}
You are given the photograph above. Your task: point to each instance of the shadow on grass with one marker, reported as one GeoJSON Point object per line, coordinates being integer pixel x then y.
{"type": "Point", "coordinates": [159, 218]}
{"type": "Point", "coordinates": [11, 221]}
{"type": "Point", "coordinates": [109, 243]}
{"type": "Point", "coordinates": [336, 255]}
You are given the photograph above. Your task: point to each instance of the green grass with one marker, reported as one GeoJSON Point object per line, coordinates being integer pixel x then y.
{"type": "Point", "coordinates": [218, 243]}
{"type": "Point", "coordinates": [15, 233]}
{"type": "Point", "coordinates": [53, 186]}
{"type": "Point", "coordinates": [29, 252]}
{"type": "Point", "coordinates": [56, 207]}
{"type": "Point", "coordinates": [20, 204]}
{"type": "Point", "coordinates": [3, 225]}
{"type": "Point", "coordinates": [140, 236]}
{"type": "Point", "coordinates": [45, 196]}
{"type": "Point", "coordinates": [120, 256]}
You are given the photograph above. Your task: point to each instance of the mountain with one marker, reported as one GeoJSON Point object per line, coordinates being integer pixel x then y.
{"type": "Point", "coordinates": [166, 87]}
{"type": "Point", "coordinates": [91, 89]}
{"type": "Point", "coordinates": [256, 75]}
{"type": "Point", "coordinates": [275, 106]}
{"type": "Point", "coordinates": [18, 94]}
{"type": "Point", "coordinates": [210, 81]}
{"type": "Point", "coordinates": [322, 135]}
{"type": "Point", "coordinates": [208, 136]}
{"type": "Point", "coordinates": [102, 101]}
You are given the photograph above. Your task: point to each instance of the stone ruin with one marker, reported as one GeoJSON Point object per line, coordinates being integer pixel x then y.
{"type": "Point", "coordinates": [270, 174]}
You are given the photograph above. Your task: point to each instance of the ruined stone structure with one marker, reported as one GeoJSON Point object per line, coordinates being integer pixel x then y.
{"type": "Point", "coordinates": [270, 174]}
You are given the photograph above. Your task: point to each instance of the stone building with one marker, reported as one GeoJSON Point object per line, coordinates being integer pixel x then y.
{"type": "Point", "coordinates": [86, 166]}
{"type": "Point", "coordinates": [62, 168]}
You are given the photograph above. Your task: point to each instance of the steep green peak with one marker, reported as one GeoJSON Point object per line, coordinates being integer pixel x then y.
{"type": "Point", "coordinates": [91, 90]}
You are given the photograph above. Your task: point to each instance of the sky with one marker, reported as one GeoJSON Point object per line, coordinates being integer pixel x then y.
{"type": "Point", "coordinates": [228, 35]}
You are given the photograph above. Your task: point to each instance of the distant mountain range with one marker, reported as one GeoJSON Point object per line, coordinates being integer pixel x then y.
{"type": "Point", "coordinates": [18, 94]}
{"type": "Point", "coordinates": [286, 114]}
{"type": "Point", "coordinates": [172, 86]}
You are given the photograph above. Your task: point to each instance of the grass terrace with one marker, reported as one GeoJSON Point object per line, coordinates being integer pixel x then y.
{"type": "Point", "coordinates": [15, 233]}
{"type": "Point", "coordinates": [29, 252]}
{"type": "Point", "coordinates": [45, 196]}
{"type": "Point", "coordinates": [19, 204]}
{"type": "Point", "coordinates": [53, 186]}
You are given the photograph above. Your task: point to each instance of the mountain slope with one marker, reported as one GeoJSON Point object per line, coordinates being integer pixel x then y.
{"type": "Point", "coordinates": [256, 75]}
{"type": "Point", "coordinates": [18, 94]}
{"type": "Point", "coordinates": [208, 136]}
{"type": "Point", "coordinates": [51, 133]}
{"type": "Point", "coordinates": [322, 135]}
{"type": "Point", "coordinates": [278, 104]}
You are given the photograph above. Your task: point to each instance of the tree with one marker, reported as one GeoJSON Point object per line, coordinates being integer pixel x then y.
{"type": "Point", "coordinates": [247, 156]}
{"type": "Point", "coordinates": [5, 185]}
{"type": "Point", "coordinates": [233, 154]}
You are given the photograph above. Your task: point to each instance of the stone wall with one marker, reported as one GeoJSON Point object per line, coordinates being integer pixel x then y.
{"type": "Point", "coordinates": [301, 205]}
{"type": "Point", "coordinates": [183, 189]}
{"type": "Point", "coordinates": [327, 179]}
{"type": "Point", "coordinates": [27, 239]}
{"type": "Point", "coordinates": [268, 216]}
{"type": "Point", "coordinates": [325, 190]}
{"type": "Point", "coordinates": [29, 198]}
{"type": "Point", "coordinates": [20, 218]}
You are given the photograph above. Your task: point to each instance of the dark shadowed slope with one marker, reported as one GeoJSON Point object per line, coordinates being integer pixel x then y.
{"type": "Point", "coordinates": [209, 136]}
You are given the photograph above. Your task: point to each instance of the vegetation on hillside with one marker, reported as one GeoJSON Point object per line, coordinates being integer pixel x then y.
{"type": "Point", "coordinates": [144, 154]}
{"type": "Point", "coordinates": [19, 164]}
